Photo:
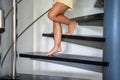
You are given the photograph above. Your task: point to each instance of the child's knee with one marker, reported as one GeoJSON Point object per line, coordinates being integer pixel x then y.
{"type": "Point", "coordinates": [51, 16]}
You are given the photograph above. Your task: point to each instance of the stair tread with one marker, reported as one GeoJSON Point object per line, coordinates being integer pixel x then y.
{"type": "Point", "coordinates": [98, 16]}
{"type": "Point", "coordinates": [66, 58]}
{"type": "Point", "coordinates": [93, 19]}
{"type": "Point", "coordinates": [79, 37]}
{"type": "Point", "coordinates": [99, 4]}
{"type": "Point", "coordinates": [40, 77]}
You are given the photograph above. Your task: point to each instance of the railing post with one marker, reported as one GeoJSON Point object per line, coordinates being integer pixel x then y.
{"type": "Point", "coordinates": [112, 44]}
{"type": "Point", "coordinates": [14, 38]}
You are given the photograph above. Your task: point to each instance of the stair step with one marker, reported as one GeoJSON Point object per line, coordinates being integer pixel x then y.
{"type": "Point", "coordinates": [90, 41]}
{"type": "Point", "coordinates": [87, 38]}
{"type": "Point", "coordinates": [66, 58]}
{"type": "Point", "coordinates": [88, 67]}
{"type": "Point", "coordinates": [40, 77]}
{"type": "Point", "coordinates": [90, 20]}
{"type": "Point", "coordinates": [99, 4]}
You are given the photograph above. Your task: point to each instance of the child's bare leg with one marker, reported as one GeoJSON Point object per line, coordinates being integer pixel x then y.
{"type": "Point", "coordinates": [57, 39]}
{"type": "Point", "coordinates": [71, 28]}
{"type": "Point", "coordinates": [56, 14]}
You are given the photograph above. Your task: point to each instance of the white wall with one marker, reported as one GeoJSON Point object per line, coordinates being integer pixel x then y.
{"type": "Point", "coordinates": [6, 37]}
{"type": "Point", "coordinates": [25, 42]}
{"type": "Point", "coordinates": [42, 44]}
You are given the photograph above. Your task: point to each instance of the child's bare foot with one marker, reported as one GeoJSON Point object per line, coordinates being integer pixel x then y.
{"type": "Point", "coordinates": [53, 51]}
{"type": "Point", "coordinates": [71, 28]}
